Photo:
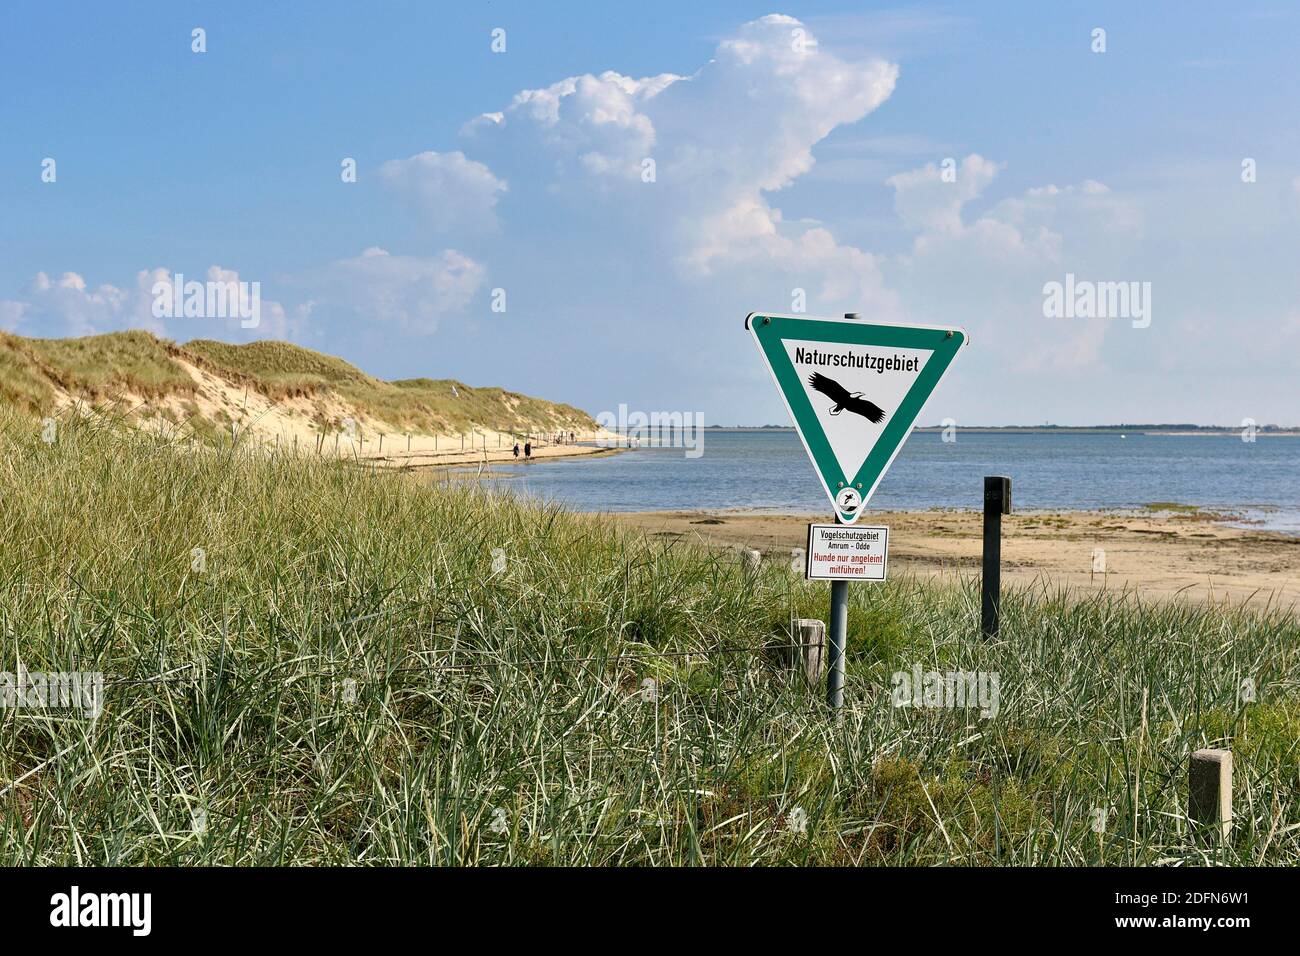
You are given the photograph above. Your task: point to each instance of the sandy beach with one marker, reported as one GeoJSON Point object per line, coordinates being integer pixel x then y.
{"type": "Point", "coordinates": [482, 447]}
{"type": "Point", "coordinates": [1160, 554]}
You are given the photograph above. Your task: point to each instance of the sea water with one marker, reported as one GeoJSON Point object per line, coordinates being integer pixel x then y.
{"type": "Point", "coordinates": [769, 470]}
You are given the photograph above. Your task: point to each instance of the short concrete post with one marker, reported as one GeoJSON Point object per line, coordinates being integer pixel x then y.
{"type": "Point", "coordinates": [1209, 789]}
{"type": "Point", "coordinates": [752, 558]}
{"type": "Point", "coordinates": [811, 638]}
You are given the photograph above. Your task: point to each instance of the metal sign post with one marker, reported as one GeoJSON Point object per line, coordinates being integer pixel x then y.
{"type": "Point", "coordinates": [854, 390]}
{"type": "Point", "coordinates": [836, 641]}
{"type": "Point", "coordinates": [842, 553]}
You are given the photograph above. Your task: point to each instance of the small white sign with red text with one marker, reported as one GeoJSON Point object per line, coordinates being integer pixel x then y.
{"type": "Point", "coordinates": [839, 552]}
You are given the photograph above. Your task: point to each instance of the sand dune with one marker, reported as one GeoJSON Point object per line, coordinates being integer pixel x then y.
{"type": "Point", "coordinates": [277, 394]}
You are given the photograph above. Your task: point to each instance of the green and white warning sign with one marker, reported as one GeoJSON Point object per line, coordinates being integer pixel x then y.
{"type": "Point", "coordinates": [854, 390]}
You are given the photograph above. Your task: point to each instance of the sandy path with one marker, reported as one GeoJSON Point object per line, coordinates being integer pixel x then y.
{"type": "Point", "coordinates": [429, 457]}
{"type": "Point", "coordinates": [1160, 555]}
{"type": "Point", "coordinates": [433, 451]}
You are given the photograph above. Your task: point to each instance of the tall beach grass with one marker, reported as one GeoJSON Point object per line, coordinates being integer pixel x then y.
{"type": "Point", "coordinates": [360, 668]}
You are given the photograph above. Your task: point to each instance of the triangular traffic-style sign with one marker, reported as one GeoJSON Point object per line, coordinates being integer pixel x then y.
{"type": "Point", "coordinates": [854, 390]}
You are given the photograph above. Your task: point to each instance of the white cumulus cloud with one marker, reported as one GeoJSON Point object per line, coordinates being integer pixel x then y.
{"type": "Point", "coordinates": [68, 306]}
{"type": "Point", "coordinates": [722, 140]}
{"type": "Point", "coordinates": [928, 202]}
{"type": "Point", "coordinates": [410, 292]}
{"type": "Point", "coordinates": [453, 192]}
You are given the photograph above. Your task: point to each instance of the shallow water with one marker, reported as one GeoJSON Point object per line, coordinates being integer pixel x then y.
{"type": "Point", "coordinates": [769, 470]}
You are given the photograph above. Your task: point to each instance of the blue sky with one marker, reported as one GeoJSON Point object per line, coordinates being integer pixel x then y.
{"type": "Point", "coordinates": [796, 146]}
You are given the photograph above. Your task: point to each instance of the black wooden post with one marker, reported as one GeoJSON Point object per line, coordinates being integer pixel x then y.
{"type": "Point", "coordinates": [997, 502]}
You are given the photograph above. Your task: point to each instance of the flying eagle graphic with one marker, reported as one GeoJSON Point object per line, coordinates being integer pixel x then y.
{"type": "Point", "coordinates": [843, 399]}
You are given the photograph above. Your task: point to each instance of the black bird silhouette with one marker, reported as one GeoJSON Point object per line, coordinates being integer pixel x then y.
{"type": "Point", "coordinates": [843, 399]}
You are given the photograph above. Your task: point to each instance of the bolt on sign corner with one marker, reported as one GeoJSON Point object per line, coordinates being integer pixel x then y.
{"type": "Point", "coordinates": [854, 390]}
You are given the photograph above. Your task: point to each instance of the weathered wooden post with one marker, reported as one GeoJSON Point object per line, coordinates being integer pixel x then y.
{"type": "Point", "coordinates": [997, 502]}
{"type": "Point", "coordinates": [1209, 789]}
{"type": "Point", "coordinates": [811, 637]}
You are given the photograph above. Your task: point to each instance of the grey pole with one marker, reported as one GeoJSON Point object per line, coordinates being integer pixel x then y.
{"type": "Point", "coordinates": [839, 626]}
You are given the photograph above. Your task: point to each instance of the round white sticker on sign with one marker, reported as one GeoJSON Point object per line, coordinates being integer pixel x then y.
{"type": "Point", "coordinates": [848, 501]}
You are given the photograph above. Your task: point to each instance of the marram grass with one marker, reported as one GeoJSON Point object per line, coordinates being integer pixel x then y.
{"type": "Point", "coordinates": [340, 676]}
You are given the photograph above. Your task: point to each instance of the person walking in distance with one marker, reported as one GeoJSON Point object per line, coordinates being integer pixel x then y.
{"type": "Point", "coordinates": [516, 449]}
{"type": "Point", "coordinates": [528, 450]}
